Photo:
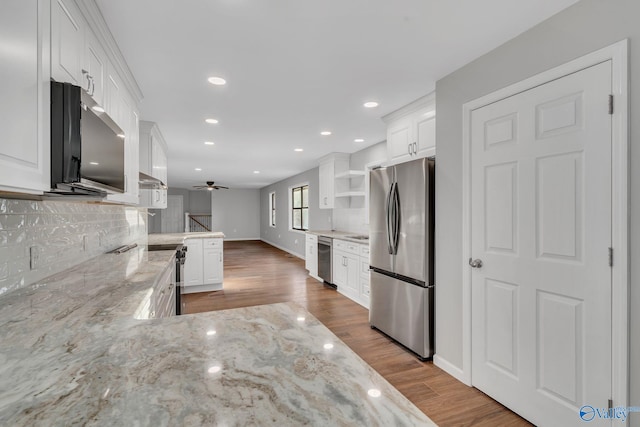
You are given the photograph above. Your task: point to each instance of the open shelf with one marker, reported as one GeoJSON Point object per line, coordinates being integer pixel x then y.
{"type": "Point", "coordinates": [350, 194]}
{"type": "Point", "coordinates": [350, 174]}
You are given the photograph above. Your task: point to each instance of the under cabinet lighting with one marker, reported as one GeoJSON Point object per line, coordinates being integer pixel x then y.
{"type": "Point", "coordinates": [218, 81]}
{"type": "Point", "coordinates": [98, 109]}
{"type": "Point", "coordinates": [121, 135]}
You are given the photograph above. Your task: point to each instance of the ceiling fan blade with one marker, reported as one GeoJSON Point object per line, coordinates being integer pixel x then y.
{"type": "Point", "coordinates": [217, 187]}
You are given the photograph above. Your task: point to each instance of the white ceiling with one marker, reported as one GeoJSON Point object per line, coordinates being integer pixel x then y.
{"type": "Point", "coordinates": [294, 68]}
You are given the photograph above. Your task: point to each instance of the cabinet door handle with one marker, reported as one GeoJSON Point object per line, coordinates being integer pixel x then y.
{"type": "Point", "coordinates": [325, 201]}
{"type": "Point", "coordinates": [409, 148]}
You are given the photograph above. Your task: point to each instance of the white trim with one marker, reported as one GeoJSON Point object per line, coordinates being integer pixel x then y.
{"type": "Point", "coordinates": [450, 369]}
{"type": "Point", "coordinates": [282, 248]}
{"type": "Point", "coordinates": [618, 54]}
{"type": "Point", "coordinates": [429, 100]}
{"type": "Point", "coordinates": [241, 239]}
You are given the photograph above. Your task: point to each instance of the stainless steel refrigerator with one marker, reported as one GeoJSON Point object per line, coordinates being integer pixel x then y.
{"type": "Point", "coordinates": [401, 216]}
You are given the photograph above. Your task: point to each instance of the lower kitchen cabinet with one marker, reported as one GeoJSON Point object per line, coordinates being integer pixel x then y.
{"type": "Point", "coordinates": [351, 270]}
{"type": "Point", "coordinates": [203, 267]}
{"type": "Point", "coordinates": [311, 255]}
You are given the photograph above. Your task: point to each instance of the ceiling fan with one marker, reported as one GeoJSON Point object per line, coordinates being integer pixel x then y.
{"type": "Point", "coordinates": [210, 186]}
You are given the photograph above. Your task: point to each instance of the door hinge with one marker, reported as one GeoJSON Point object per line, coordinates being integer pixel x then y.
{"type": "Point", "coordinates": [610, 257]}
{"type": "Point", "coordinates": [610, 104]}
{"type": "Point", "coordinates": [610, 404]}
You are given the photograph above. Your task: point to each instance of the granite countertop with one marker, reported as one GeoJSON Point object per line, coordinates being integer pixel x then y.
{"type": "Point", "coordinates": [342, 235]}
{"type": "Point", "coordinates": [73, 353]}
{"type": "Point", "coordinates": [178, 238]}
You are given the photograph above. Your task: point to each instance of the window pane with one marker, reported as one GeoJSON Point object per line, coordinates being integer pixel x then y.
{"type": "Point", "coordinates": [273, 217]}
{"type": "Point", "coordinates": [305, 196]}
{"type": "Point", "coordinates": [297, 197]}
{"type": "Point", "coordinates": [297, 219]}
{"type": "Point", "coordinates": [305, 219]}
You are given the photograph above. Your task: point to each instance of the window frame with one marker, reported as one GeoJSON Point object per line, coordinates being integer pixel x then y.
{"type": "Point", "coordinates": [272, 209]}
{"type": "Point", "coordinates": [292, 209]}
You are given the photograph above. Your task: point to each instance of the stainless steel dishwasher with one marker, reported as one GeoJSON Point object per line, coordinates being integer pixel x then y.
{"type": "Point", "coordinates": [325, 248]}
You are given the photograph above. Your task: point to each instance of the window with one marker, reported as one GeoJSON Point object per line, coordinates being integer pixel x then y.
{"type": "Point", "coordinates": [272, 209]}
{"type": "Point", "coordinates": [300, 208]}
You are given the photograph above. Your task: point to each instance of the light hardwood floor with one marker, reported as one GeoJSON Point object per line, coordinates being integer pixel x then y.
{"type": "Point", "coordinates": [257, 273]}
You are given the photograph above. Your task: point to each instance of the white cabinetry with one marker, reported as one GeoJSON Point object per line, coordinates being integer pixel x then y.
{"type": "Point", "coordinates": [153, 162]}
{"type": "Point", "coordinates": [203, 267]}
{"type": "Point", "coordinates": [351, 270]}
{"type": "Point", "coordinates": [24, 88]}
{"type": "Point", "coordinates": [128, 121]}
{"type": "Point", "coordinates": [411, 130]}
{"type": "Point", "coordinates": [67, 42]}
{"type": "Point", "coordinates": [330, 166]}
{"type": "Point", "coordinates": [311, 255]}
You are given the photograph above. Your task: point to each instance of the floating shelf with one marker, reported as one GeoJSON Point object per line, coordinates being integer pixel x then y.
{"type": "Point", "coordinates": [350, 174]}
{"type": "Point", "coordinates": [350, 194]}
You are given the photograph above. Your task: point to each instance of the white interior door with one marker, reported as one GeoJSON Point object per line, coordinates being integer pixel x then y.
{"type": "Point", "coordinates": [541, 225]}
{"type": "Point", "coordinates": [173, 216]}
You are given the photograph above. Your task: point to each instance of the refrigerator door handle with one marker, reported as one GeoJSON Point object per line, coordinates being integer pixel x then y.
{"type": "Point", "coordinates": [396, 218]}
{"type": "Point", "coordinates": [388, 214]}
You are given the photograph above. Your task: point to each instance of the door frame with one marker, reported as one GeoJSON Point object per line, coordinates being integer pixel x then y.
{"type": "Point", "coordinates": [618, 54]}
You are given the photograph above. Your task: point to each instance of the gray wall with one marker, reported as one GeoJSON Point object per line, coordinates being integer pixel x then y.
{"type": "Point", "coordinates": [281, 236]}
{"type": "Point", "coordinates": [193, 201]}
{"type": "Point", "coordinates": [236, 213]}
{"type": "Point", "coordinates": [585, 27]}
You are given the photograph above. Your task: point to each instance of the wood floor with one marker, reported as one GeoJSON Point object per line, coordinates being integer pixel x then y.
{"type": "Point", "coordinates": [256, 273]}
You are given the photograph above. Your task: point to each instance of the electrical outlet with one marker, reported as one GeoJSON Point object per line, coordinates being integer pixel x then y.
{"type": "Point", "coordinates": [34, 257]}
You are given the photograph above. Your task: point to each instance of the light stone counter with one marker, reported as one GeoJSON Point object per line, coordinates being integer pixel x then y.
{"type": "Point", "coordinates": [178, 238]}
{"type": "Point", "coordinates": [342, 235]}
{"type": "Point", "coordinates": [72, 354]}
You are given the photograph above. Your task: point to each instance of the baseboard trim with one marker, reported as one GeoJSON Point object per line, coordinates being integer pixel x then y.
{"type": "Point", "coordinates": [451, 369]}
{"type": "Point", "coordinates": [282, 248]}
{"type": "Point", "coordinates": [240, 239]}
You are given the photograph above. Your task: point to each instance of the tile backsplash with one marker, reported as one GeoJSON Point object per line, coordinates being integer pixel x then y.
{"type": "Point", "coordinates": [41, 238]}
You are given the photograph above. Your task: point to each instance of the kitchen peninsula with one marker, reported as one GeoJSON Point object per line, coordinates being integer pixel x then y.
{"type": "Point", "coordinates": [73, 352]}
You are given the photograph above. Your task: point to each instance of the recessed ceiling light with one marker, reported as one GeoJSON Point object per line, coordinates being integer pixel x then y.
{"type": "Point", "coordinates": [212, 121]}
{"type": "Point", "coordinates": [371, 104]}
{"type": "Point", "coordinates": [198, 169]}
{"type": "Point", "coordinates": [299, 150]}
{"type": "Point", "coordinates": [218, 81]}
{"type": "Point", "coordinates": [209, 143]}
{"type": "Point", "coordinates": [256, 171]}
{"type": "Point", "coordinates": [325, 133]}
{"type": "Point", "coordinates": [358, 140]}
{"type": "Point", "coordinates": [98, 109]}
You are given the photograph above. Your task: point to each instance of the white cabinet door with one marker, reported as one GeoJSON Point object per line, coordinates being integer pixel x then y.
{"type": "Point", "coordinates": [339, 269]}
{"type": "Point", "coordinates": [213, 262]}
{"type": "Point", "coordinates": [326, 184]}
{"type": "Point", "coordinates": [67, 42]}
{"type": "Point", "coordinates": [193, 271]}
{"type": "Point", "coordinates": [128, 121]}
{"type": "Point", "coordinates": [311, 254]}
{"type": "Point", "coordinates": [25, 93]}
{"type": "Point", "coordinates": [353, 276]}
{"type": "Point", "coordinates": [112, 95]}
{"type": "Point", "coordinates": [425, 128]}
{"type": "Point", "coordinates": [400, 139]}
{"type": "Point", "coordinates": [95, 68]}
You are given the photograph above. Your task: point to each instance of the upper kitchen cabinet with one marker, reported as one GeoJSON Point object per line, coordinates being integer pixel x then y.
{"type": "Point", "coordinates": [153, 163]}
{"type": "Point", "coordinates": [67, 42]}
{"type": "Point", "coordinates": [95, 68]}
{"type": "Point", "coordinates": [127, 119]}
{"type": "Point", "coordinates": [411, 130]}
{"type": "Point", "coordinates": [331, 165]}
{"type": "Point", "coordinates": [24, 85]}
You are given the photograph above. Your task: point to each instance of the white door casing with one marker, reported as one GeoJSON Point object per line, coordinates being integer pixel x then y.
{"type": "Point", "coordinates": [541, 223]}
{"type": "Point", "coordinates": [617, 54]}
